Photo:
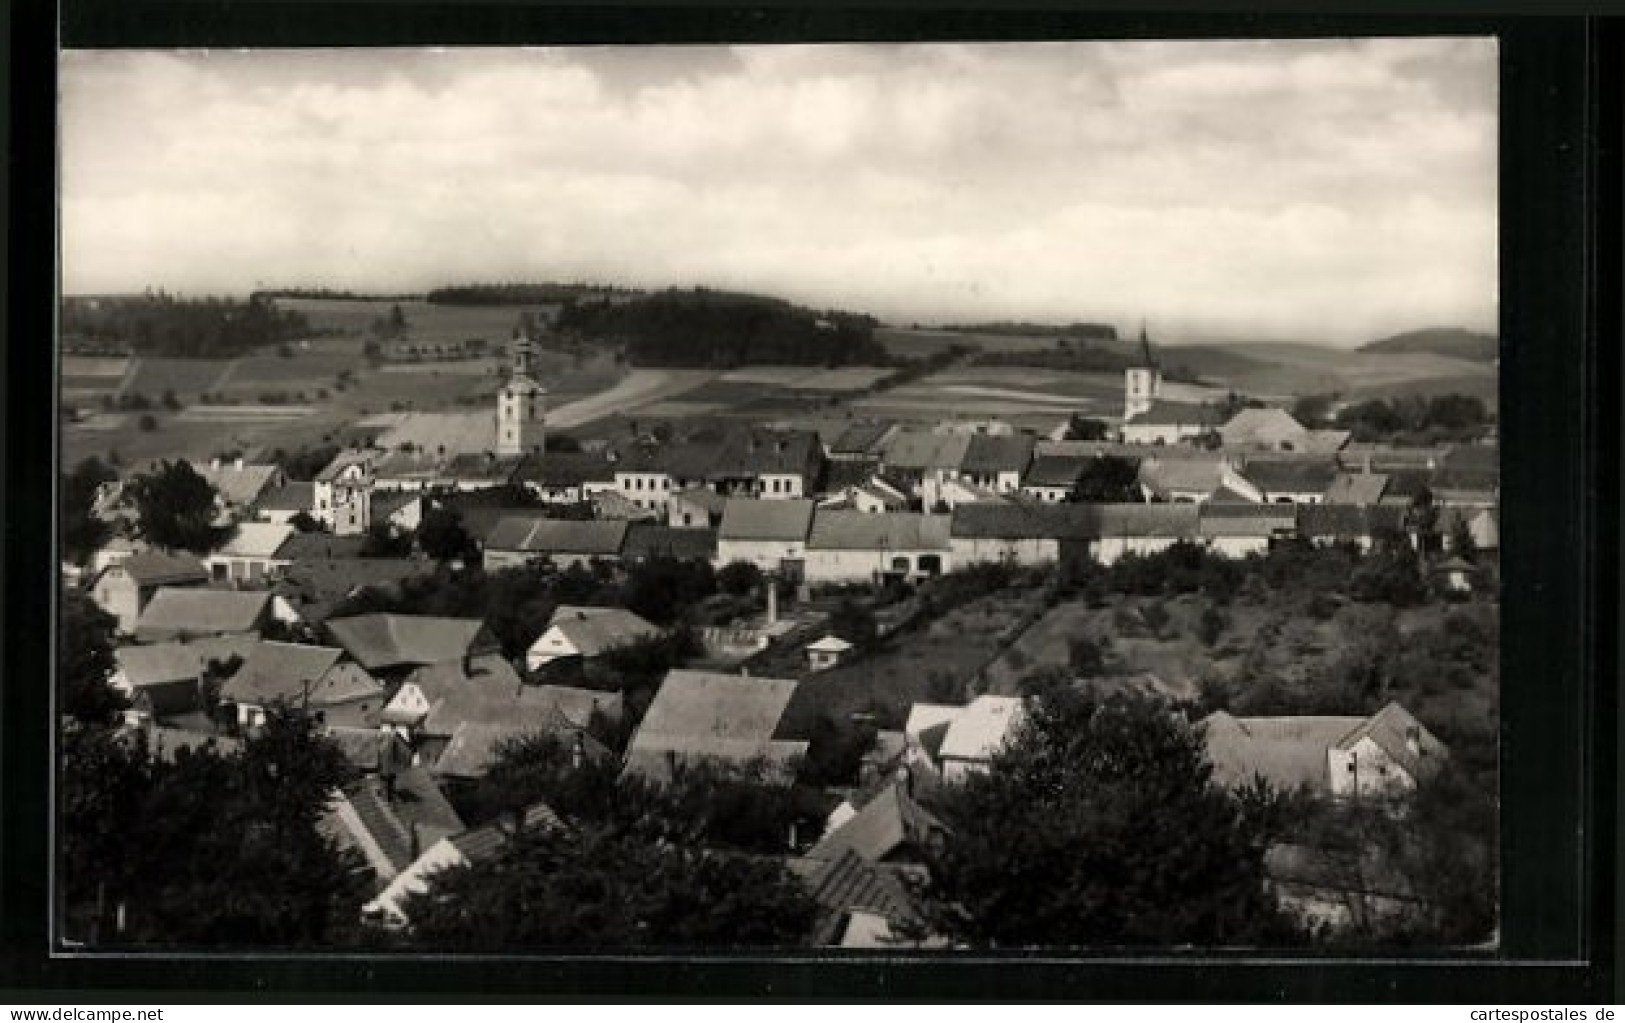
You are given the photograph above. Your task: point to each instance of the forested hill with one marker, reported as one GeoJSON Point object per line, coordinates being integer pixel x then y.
{"type": "Point", "coordinates": [724, 329]}
{"type": "Point", "coordinates": [1450, 341]}
{"type": "Point", "coordinates": [1004, 328]}
{"type": "Point", "coordinates": [525, 294]}
{"type": "Point", "coordinates": [164, 325]}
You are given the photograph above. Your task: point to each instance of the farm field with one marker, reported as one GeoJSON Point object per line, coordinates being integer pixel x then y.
{"type": "Point", "coordinates": [911, 342]}
{"type": "Point", "coordinates": [1267, 370]}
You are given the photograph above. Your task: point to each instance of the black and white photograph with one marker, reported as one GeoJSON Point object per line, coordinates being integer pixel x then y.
{"type": "Point", "coordinates": [890, 499]}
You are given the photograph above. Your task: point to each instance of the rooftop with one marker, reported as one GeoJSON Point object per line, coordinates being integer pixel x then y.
{"type": "Point", "coordinates": [886, 531]}
{"type": "Point", "coordinates": [396, 640]}
{"type": "Point", "coordinates": [744, 518]}
{"type": "Point", "coordinates": [700, 716]}
{"type": "Point", "coordinates": [179, 613]}
{"type": "Point", "coordinates": [604, 537]}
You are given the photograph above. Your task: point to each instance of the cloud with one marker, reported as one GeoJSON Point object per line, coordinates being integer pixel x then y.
{"type": "Point", "coordinates": [1321, 188]}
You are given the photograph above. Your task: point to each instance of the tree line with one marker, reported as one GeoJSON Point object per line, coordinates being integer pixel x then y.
{"type": "Point", "coordinates": [159, 324]}
{"type": "Point", "coordinates": [520, 294]}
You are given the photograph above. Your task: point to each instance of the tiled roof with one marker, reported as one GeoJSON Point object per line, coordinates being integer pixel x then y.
{"type": "Point", "coordinates": [159, 663]}
{"type": "Point", "coordinates": [886, 531]}
{"type": "Point", "coordinates": [329, 580]}
{"type": "Point", "coordinates": [1056, 470]}
{"type": "Point", "coordinates": [195, 611]}
{"type": "Point", "coordinates": [280, 671]}
{"type": "Point", "coordinates": [990, 454]}
{"type": "Point", "coordinates": [758, 452]}
{"type": "Point", "coordinates": [320, 546]}
{"type": "Point", "coordinates": [1169, 475]}
{"type": "Point", "coordinates": [592, 630]}
{"type": "Point", "coordinates": [1175, 413]}
{"type": "Point", "coordinates": [483, 468]}
{"type": "Point", "coordinates": [747, 519]}
{"type": "Point", "coordinates": [1391, 728]}
{"type": "Point", "coordinates": [913, 449]}
{"type": "Point", "coordinates": [890, 824]}
{"type": "Point", "coordinates": [239, 486]}
{"type": "Point", "coordinates": [577, 704]}
{"type": "Point", "coordinates": [558, 536]}
{"type": "Point", "coordinates": [295, 495]}
{"type": "Point", "coordinates": [699, 716]}
{"type": "Point", "coordinates": [407, 822]}
{"type": "Point", "coordinates": [1290, 475]}
{"type": "Point", "coordinates": [393, 640]}
{"type": "Point", "coordinates": [652, 540]}
{"type": "Point", "coordinates": [982, 727]}
{"type": "Point", "coordinates": [1267, 426]}
{"type": "Point", "coordinates": [1356, 488]}
{"type": "Point", "coordinates": [481, 844]}
{"type": "Point", "coordinates": [474, 745]}
{"type": "Point", "coordinates": [702, 497]}
{"type": "Point", "coordinates": [257, 540]}
{"type": "Point", "coordinates": [157, 568]}
{"type": "Point", "coordinates": [565, 469]}
{"type": "Point", "coordinates": [342, 461]}
{"type": "Point", "coordinates": [1347, 521]}
{"type": "Point", "coordinates": [1248, 520]}
{"type": "Point", "coordinates": [848, 882]}
{"type": "Point", "coordinates": [860, 438]}
{"type": "Point", "coordinates": [1288, 752]}
{"type": "Point", "coordinates": [387, 502]}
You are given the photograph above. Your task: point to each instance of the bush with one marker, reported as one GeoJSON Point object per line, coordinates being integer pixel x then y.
{"type": "Point", "coordinates": [1087, 657]}
{"type": "Point", "coordinates": [739, 578]}
{"type": "Point", "coordinates": [148, 423]}
{"type": "Point", "coordinates": [1211, 625]}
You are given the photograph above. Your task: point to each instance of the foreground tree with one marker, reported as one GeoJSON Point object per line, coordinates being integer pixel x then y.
{"type": "Point", "coordinates": [81, 531]}
{"type": "Point", "coordinates": [600, 887]}
{"type": "Point", "coordinates": [1098, 827]}
{"type": "Point", "coordinates": [442, 536]}
{"type": "Point", "coordinates": [85, 662]}
{"type": "Point", "coordinates": [177, 508]}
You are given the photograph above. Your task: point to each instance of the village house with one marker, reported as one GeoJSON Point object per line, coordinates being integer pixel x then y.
{"type": "Point", "coordinates": [873, 496]}
{"type": "Point", "coordinates": [565, 477]}
{"type": "Point", "coordinates": [705, 719]}
{"type": "Point", "coordinates": [976, 733]}
{"type": "Point", "coordinates": [314, 586]}
{"type": "Point", "coordinates": [646, 540]}
{"type": "Point", "coordinates": [1326, 524]}
{"type": "Point", "coordinates": [284, 503]}
{"type": "Point", "coordinates": [1237, 530]}
{"type": "Point", "coordinates": [1052, 479]}
{"type": "Point", "coordinates": [343, 493]}
{"type": "Point", "coordinates": [1167, 423]}
{"type": "Point", "coordinates": [997, 462]}
{"type": "Point", "coordinates": [695, 508]}
{"type": "Point", "coordinates": [183, 613]}
{"type": "Point", "coordinates": [165, 680]}
{"type": "Point", "coordinates": [861, 442]}
{"type": "Point", "coordinates": [125, 588]}
{"type": "Point", "coordinates": [1483, 527]}
{"type": "Point", "coordinates": [1356, 488]}
{"type": "Point", "coordinates": [913, 456]}
{"type": "Point", "coordinates": [251, 556]}
{"type": "Point", "coordinates": [1139, 528]}
{"type": "Point", "coordinates": [1195, 478]}
{"type": "Point", "coordinates": [850, 546]}
{"type": "Point", "coordinates": [773, 465]}
{"type": "Point", "coordinates": [889, 828]}
{"type": "Point", "coordinates": [641, 476]}
{"type": "Point", "coordinates": [772, 535]}
{"type": "Point", "coordinates": [316, 679]}
{"type": "Point", "coordinates": [1273, 429]}
{"type": "Point", "coordinates": [1005, 534]}
{"type": "Point", "coordinates": [1291, 480]}
{"type": "Point", "coordinates": [238, 485]}
{"type": "Point", "coordinates": [391, 819]}
{"type": "Point", "coordinates": [861, 904]}
{"type": "Point", "coordinates": [1383, 755]}
{"type": "Point", "coordinates": [586, 632]}
{"type": "Point", "coordinates": [393, 644]}
{"type": "Point", "coordinates": [565, 542]}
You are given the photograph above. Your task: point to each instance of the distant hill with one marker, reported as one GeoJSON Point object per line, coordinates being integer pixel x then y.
{"type": "Point", "coordinates": [1453, 342]}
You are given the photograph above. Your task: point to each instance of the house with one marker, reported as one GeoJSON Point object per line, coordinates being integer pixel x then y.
{"type": "Point", "coordinates": [1454, 574]}
{"type": "Point", "coordinates": [1169, 423]}
{"type": "Point", "coordinates": [586, 632]}
{"type": "Point", "coordinates": [401, 510]}
{"type": "Point", "coordinates": [826, 652]}
{"type": "Point", "coordinates": [1237, 530]}
{"type": "Point", "coordinates": [314, 587]}
{"type": "Point", "coordinates": [947, 494]}
{"type": "Point", "coordinates": [472, 847]}
{"type": "Point", "coordinates": [997, 462]}
{"type": "Point", "coordinates": [976, 733]}
{"type": "Point", "coordinates": [125, 588]}
{"type": "Point", "coordinates": [646, 540]}
{"type": "Point", "coordinates": [565, 477]}
{"type": "Point", "coordinates": [695, 507]}
{"type": "Point", "coordinates": [284, 503]}
{"type": "Point", "coordinates": [850, 546]}
{"type": "Point", "coordinates": [115, 551]}
{"type": "Point", "coordinates": [251, 556]}
{"type": "Point", "coordinates": [343, 493]}
{"type": "Point", "coordinates": [239, 485]}
{"type": "Point", "coordinates": [1008, 534]}
{"type": "Point", "coordinates": [1195, 479]}
{"type": "Point", "coordinates": [861, 442]}
{"type": "Point", "coordinates": [912, 456]}
{"type": "Point", "coordinates": [481, 470]}
{"type": "Point", "coordinates": [642, 477]}
{"type": "Point", "coordinates": [578, 705]}
{"type": "Point", "coordinates": [1386, 754]}
{"type": "Point", "coordinates": [773, 465]}
{"type": "Point", "coordinates": [861, 904]}
{"type": "Point", "coordinates": [872, 496]}
{"type": "Point", "coordinates": [1052, 478]}
{"type": "Point", "coordinates": [1358, 524]}
{"type": "Point", "coordinates": [181, 613]}
{"type": "Point", "coordinates": [1291, 480]}
{"type": "Point", "coordinates": [392, 642]}
{"type": "Point", "coordinates": [166, 679]}
{"type": "Point", "coordinates": [612, 504]}
{"type": "Point", "coordinates": [317, 679]}
{"type": "Point", "coordinates": [519, 541]}
{"type": "Point", "coordinates": [889, 828]}
{"type": "Point", "coordinates": [391, 820]}
{"type": "Point", "coordinates": [772, 535]}
{"type": "Point", "coordinates": [1129, 528]}
{"type": "Point", "coordinates": [1483, 527]}
{"type": "Point", "coordinates": [704, 719]}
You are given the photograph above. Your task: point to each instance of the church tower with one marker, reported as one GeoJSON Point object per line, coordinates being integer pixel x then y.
{"type": "Point", "coordinates": [521, 406]}
{"type": "Point", "coordinates": [1142, 384]}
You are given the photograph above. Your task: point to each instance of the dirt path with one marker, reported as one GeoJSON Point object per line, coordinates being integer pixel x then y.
{"type": "Point", "coordinates": [639, 387]}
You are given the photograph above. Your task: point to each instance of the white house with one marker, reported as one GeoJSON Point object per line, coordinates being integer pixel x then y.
{"type": "Point", "coordinates": [1386, 754]}
{"type": "Point", "coordinates": [250, 556]}
{"type": "Point", "coordinates": [851, 546]}
{"type": "Point", "coordinates": [772, 535]}
{"type": "Point", "coordinates": [343, 493]}
{"type": "Point", "coordinates": [977, 733]}
{"type": "Point", "coordinates": [587, 632]}
{"type": "Point", "coordinates": [826, 653]}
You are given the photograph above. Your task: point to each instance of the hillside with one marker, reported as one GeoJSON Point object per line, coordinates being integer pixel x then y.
{"type": "Point", "coordinates": [1452, 342]}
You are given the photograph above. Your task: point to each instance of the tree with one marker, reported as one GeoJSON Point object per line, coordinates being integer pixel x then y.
{"type": "Point", "coordinates": [739, 578]}
{"type": "Point", "coordinates": [147, 423]}
{"type": "Point", "coordinates": [81, 531]}
{"type": "Point", "coordinates": [1087, 428]}
{"type": "Point", "coordinates": [854, 623]}
{"type": "Point", "coordinates": [1099, 825]}
{"type": "Point", "coordinates": [442, 536]}
{"type": "Point", "coordinates": [600, 887]}
{"type": "Point", "coordinates": [304, 522]}
{"type": "Point", "coordinates": [382, 541]}
{"type": "Point", "coordinates": [177, 508]}
{"type": "Point", "coordinates": [1312, 409]}
{"type": "Point", "coordinates": [85, 662]}
{"type": "Point", "coordinates": [1109, 479]}
{"type": "Point", "coordinates": [1087, 657]}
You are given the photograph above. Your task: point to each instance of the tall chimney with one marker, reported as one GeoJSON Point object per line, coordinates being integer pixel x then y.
{"type": "Point", "coordinates": [772, 600]}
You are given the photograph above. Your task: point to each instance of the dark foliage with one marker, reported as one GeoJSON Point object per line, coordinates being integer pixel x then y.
{"type": "Point", "coordinates": [163, 325]}
{"type": "Point", "coordinates": [739, 578]}
{"type": "Point", "coordinates": [442, 536]}
{"type": "Point", "coordinates": [177, 508]}
{"type": "Point", "coordinates": [1110, 480]}
{"type": "Point", "coordinates": [85, 662]}
{"type": "Point", "coordinates": [81, 533]}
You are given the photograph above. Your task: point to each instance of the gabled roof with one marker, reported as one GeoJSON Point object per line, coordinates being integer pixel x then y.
{"type": "Point", "coordinates": [1175, 413]}
{"type": "Point", "coordinates": [565, 469]}
{"type": "Point", "coordinates": [890, 826]}
{"type": "Point", "coordinates": [1347, 521]}
{"type": "Point", "coordinates": [1246, 520]}
{"type": "Point", "coordinates": [343, 460]}
{"type": "Point", "coordinates": [914, 449]}
{"type": "Point", "coordinates": [592, 630]}
{"type": "Point", "coordinates": [1074, 521]}
{"type": "Point", "coordinates": [320, 547]}
{"type": "Point", "coordinates": [1228, 495]}
{"type": "Point", "coordinates": [154, 567]}
{"type": "Point", "coordinates": [861, 438]}
{"type": "Point", "coordinates": [330, 580]}
{"type": "Point", "coordinates": [1166, 476]}
{"type": "Point", "coordinates": [196, 611]}
{"type": "Point", "coordinates": [1288, 752]}
{"type": "Point", "coordinates": [1291, 475]}
{"type": "Point", "coordinates": [885, 531]}
{"type": "Point", "coordinates": [830, 644]}
{"type": "Point", "coordinates": [293, 496]}
{"type": "Point", "coordinates": [395, 640]}
{"type": "Point", "coordinates": [981, 728]}
{"type": "Point", "coordinates": [1267, 426]}
{"type": "Point", "coordinates": [1393, 728]}
{"type": "Point", "coordinates": [474, 745]}
{"type": "Point", "coordinates": [848, 883]}
{"type": "Point", "coordinates": [280, 671]}
{"type": "Point", "coordinates": [1356, 488]}
{"type": "Point", "coordinates": [702, 497]}
{"type": "Point", "coordinates": [387, 502]}
{"type": "Point", "coordinates": [652, 540]}
{"type": "Point", "coordinates": [1056, 470]}
{"type": "Point", "coordinates": [748, 519]}
{"type": "Point", "coordinates": [239, 486]}
{"type": "Point", "coordinates": [758, 452]}
{"type": "Point", "coordinates": [257, 540]}
{"type": "Point", "coordinates": [481, 844]}
{"type": "Point", "coordinates": [483, 468]}
{"type": "Point", "coordinates": [602, 537]}
{"type": "Point", "coordinates": [701, 716]}
{"type": "Point", "coordinates": [1326, 442]}
{"type": "Point", "coordinates": [404, 822]}
{"type": "Point", "coordinates": [160, 663]}
{"type": "Point", "coordinates": [577, 705]}
{"type": "Point", "coordinates": [993, 454]}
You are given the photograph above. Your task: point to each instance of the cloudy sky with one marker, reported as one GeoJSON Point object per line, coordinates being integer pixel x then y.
{"type": "Point", "coordinates": [1321, 190]}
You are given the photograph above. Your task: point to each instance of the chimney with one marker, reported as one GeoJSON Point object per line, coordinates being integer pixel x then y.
{"type": "Point", "coordinates": [214, 463]}
{"type": "Point", "coordinates": [793, 843]}
{"type": "Point", "coordinates": [238, 464]}
{"type": "Point", "coordinates": [772, 600]}
{"type": "Point", "coordinates": [1413, 741]}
